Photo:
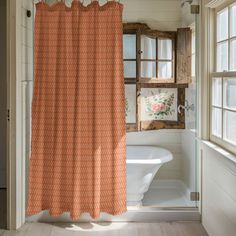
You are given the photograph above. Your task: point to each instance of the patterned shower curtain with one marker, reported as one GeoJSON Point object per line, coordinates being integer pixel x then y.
{"type": "Point", "coordinates": [78, 158]}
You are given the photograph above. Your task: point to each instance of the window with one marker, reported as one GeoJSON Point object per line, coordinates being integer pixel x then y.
{"type": "Point", "coordinates": [223, 80]}
{"type": "Point", "coordinates": [153, 91]}
{"type": "Point", "coordinates": [129, 55]}
{"type": "Point", "coordinates": [157, 61]}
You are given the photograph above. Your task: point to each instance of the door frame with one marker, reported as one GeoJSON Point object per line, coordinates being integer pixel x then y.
{"type": "Point", "coordinates": [15, 160]}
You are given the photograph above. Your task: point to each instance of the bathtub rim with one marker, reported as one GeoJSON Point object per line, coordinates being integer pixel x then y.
{"type": "Point", "coordinates": [159, 160]}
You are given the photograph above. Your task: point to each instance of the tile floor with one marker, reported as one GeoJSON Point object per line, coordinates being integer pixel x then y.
{"type": "Point", "coordinates": [110, 229]}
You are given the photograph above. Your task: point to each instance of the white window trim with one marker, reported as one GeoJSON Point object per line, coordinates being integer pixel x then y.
{"type": "Point", "coordinates": [212, 73]}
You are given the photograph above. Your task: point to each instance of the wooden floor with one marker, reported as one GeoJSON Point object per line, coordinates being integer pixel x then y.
{"type": "Point", "coordinates": [109, 229]}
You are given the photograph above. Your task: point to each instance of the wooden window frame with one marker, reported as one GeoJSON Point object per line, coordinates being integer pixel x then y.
{"type": "Point", "coordinates": [158, 35]}
{"type": "Point", "coordinates": [140, 29]}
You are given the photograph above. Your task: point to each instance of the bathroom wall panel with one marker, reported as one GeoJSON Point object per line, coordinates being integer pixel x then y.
{"type": "Point", "coordinates": [218, 191]}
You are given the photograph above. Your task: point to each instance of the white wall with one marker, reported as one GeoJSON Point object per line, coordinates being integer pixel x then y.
{"type": "Point", "coordinates": [218, 191]}
{"type": "Point", "coordinates": [158, 14]}
{"type": "Point", "coordinates": [3, 95]}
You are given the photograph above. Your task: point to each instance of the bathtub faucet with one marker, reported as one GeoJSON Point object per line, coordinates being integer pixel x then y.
{"type": "Point", "coordinates": [186, 107]}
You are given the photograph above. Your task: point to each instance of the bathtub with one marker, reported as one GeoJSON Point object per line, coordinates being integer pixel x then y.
{"type": "Point", "coordinates": [143, 162]}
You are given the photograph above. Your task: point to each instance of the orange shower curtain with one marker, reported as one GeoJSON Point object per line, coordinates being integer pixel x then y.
{"type": "Point", "coordinates": [78, 158]}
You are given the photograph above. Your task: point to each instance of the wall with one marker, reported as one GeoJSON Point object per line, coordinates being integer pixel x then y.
{"type": "Point", "coordinates": [218, 191]}
{"type": "Point", "coordinates": [158, 14]}
{"type": "Point", "coordinates": [3, 95]}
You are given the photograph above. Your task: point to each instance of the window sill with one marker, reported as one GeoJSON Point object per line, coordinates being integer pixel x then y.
{"type": "Point", "coordinates": [223, 152]}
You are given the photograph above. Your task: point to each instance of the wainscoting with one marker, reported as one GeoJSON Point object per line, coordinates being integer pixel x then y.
{"type": "Point", "coordinates": [218, 191]}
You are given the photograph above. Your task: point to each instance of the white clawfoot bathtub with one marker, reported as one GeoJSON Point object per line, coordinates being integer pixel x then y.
{"type": "Point", "coordinates": [143, 162]}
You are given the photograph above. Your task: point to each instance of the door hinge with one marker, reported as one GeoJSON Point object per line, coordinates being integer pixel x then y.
{"type": "Point", "coordinates": [8, 114]}
{"type": "Point", "coordinates": [195, 9]}
{"type": "Point", "coordinates": [194, 196]}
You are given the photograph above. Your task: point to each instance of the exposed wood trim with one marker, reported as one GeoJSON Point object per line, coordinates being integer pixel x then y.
{"type": "Point", "coordinates": [162, 85]}
{"type": "Point", "coordinates": [133, 27]}
{"type": "Point", "coordinates": [183, 56]}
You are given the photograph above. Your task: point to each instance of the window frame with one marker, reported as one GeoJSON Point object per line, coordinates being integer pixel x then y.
{"type": "Point", "coordinates": [162, 35]}
{"type": "Point", "coordinates": [222, 141]}
{"type": "Point", "coordinates": [140, 29]}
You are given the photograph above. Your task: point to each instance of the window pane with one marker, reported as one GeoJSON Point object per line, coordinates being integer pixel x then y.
{"type": "Point", "coordinates": [164, 49]}
{"type": "Point", "coordinates": [233, 21]}
{"type": "Point", "coordinates": [148, 47]}
{"type": "Point", "coordinates": [164, 70]}
{"type": "Point", "coordinates": [129, 46]}
{"type": "Point", "coordinates": [230, 126]}
{"type": "Point", "coordinates": [222, 25]}
{"type": "Point", "coordinates": [216, 121]}
{"type": "Point", "coordinates": [148, 69]}
{"type": "Point", "coordinates": [222, 56]}
{"type": "Point", "coordinates": [233, 55]}
{"type": "Point", "coordinates": [129, 69]}
{"type": "Point", "coordinates": [217, 92]}
{"type": "Point", "coordinates": [230, 93]}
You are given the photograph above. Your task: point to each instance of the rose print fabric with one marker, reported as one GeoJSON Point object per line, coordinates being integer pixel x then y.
{"type": "Point", "coordinates": [78, 159]}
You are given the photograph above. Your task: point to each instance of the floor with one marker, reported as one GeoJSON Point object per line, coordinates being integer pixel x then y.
{"type": "Point", "coordinates": [110, 229]}
{"type": "Point", "coordinates": [165, 197]}
{"type": "Point", "coordinates": [3, 208]}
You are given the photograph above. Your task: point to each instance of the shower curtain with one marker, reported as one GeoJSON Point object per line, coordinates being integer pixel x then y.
{"type": "Point", "coordinates": [78, 157]}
